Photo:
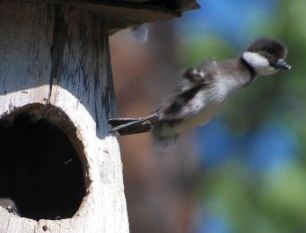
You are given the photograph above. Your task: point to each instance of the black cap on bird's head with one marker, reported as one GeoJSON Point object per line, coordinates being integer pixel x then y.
{"type": "Point", "coordinates": [266, 56]}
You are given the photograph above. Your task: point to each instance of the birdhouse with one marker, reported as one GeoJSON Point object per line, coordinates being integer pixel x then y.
{"type": "Point", "coordinates": [60, 170]}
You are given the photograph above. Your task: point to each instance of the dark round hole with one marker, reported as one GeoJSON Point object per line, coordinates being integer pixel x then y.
{"type": "Point", "coordinates": [39, 168]}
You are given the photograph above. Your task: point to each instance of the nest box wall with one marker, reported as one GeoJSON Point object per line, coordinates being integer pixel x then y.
{"type": "Point", "coordinates": [60, 170]}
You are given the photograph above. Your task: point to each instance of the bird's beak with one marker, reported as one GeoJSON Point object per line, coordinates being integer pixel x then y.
{"type": "Point", "coordinates": [281, 65]}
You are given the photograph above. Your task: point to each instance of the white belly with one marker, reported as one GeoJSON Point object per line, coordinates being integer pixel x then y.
{"type": "Point", "coordinates": [201, 118]}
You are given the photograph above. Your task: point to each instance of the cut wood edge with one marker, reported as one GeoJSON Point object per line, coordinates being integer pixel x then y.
{"type": "Point", "coordinates": [57, 116]}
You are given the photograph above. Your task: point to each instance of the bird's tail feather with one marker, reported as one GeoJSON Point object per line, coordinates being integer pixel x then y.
{"type": "Point", "coordinates": [127, 126]}
{"type": "Point", "coordinates": [161, 135]}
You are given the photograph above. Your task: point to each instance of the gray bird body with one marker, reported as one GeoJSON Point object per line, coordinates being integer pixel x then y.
{"type": "Point", "coordinates": [206, 95]}
{"type": "Point", "coordinates": [204, 91]}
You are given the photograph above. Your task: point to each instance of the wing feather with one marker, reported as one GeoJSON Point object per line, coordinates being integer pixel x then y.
{"type": "Point", "coordinates": [184, 103]}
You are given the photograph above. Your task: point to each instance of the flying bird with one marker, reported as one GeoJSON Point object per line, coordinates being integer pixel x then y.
{"type": "Point", "coordinates": [204, 91]}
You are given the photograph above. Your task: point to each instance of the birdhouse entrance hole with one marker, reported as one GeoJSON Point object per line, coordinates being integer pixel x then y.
{"type": "Point", "coordinates": [42, 163]}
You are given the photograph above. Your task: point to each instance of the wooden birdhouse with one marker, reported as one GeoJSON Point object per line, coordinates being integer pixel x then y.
{"type": "Point", "coordinates": [60, 170]}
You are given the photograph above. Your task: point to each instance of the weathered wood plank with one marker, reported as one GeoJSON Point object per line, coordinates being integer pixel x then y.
{"type": "Point", "coordinates": [84, 81]}
{"type": "Point", "coordinates": [20, 225]}
{"type": "Point", "coordinates": [25, 54]}
{"type": "Point", "coordinates": [58, 56]}
{"type": "Point", "coordinates": [4, 218]}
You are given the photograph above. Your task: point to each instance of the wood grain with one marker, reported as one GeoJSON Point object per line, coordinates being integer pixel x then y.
{"type": "Point", "coordinates": [58, 56]}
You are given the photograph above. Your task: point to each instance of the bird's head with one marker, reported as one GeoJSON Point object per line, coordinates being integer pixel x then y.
{"type": "Point", "coordinates": [266, 56]}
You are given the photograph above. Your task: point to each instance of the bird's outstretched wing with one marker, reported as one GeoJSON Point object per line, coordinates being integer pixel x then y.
{"type": "Point", "coordinates": [192, 76]}
{"type": "Point", "coordinates": [173, 108]}
{"type": "Point", "coordinates": [186, 102]}
{"type": "Point", "coordinates": [195, 76]}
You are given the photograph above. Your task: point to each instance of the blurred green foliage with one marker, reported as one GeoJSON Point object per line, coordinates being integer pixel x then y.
{"type": "Point", "coordinates": [254, 201]}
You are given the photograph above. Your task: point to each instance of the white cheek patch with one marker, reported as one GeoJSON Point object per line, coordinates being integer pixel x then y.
{"type": "Point", "coordinates": [255, 59]}
{"type": "Point", "coordinates": [259, 63]}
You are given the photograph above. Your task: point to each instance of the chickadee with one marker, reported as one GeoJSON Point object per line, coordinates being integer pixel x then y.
{"type": "Point", "coordinates": [205, 90]}
{"type": "Point", "coordinates": [8, 204]}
